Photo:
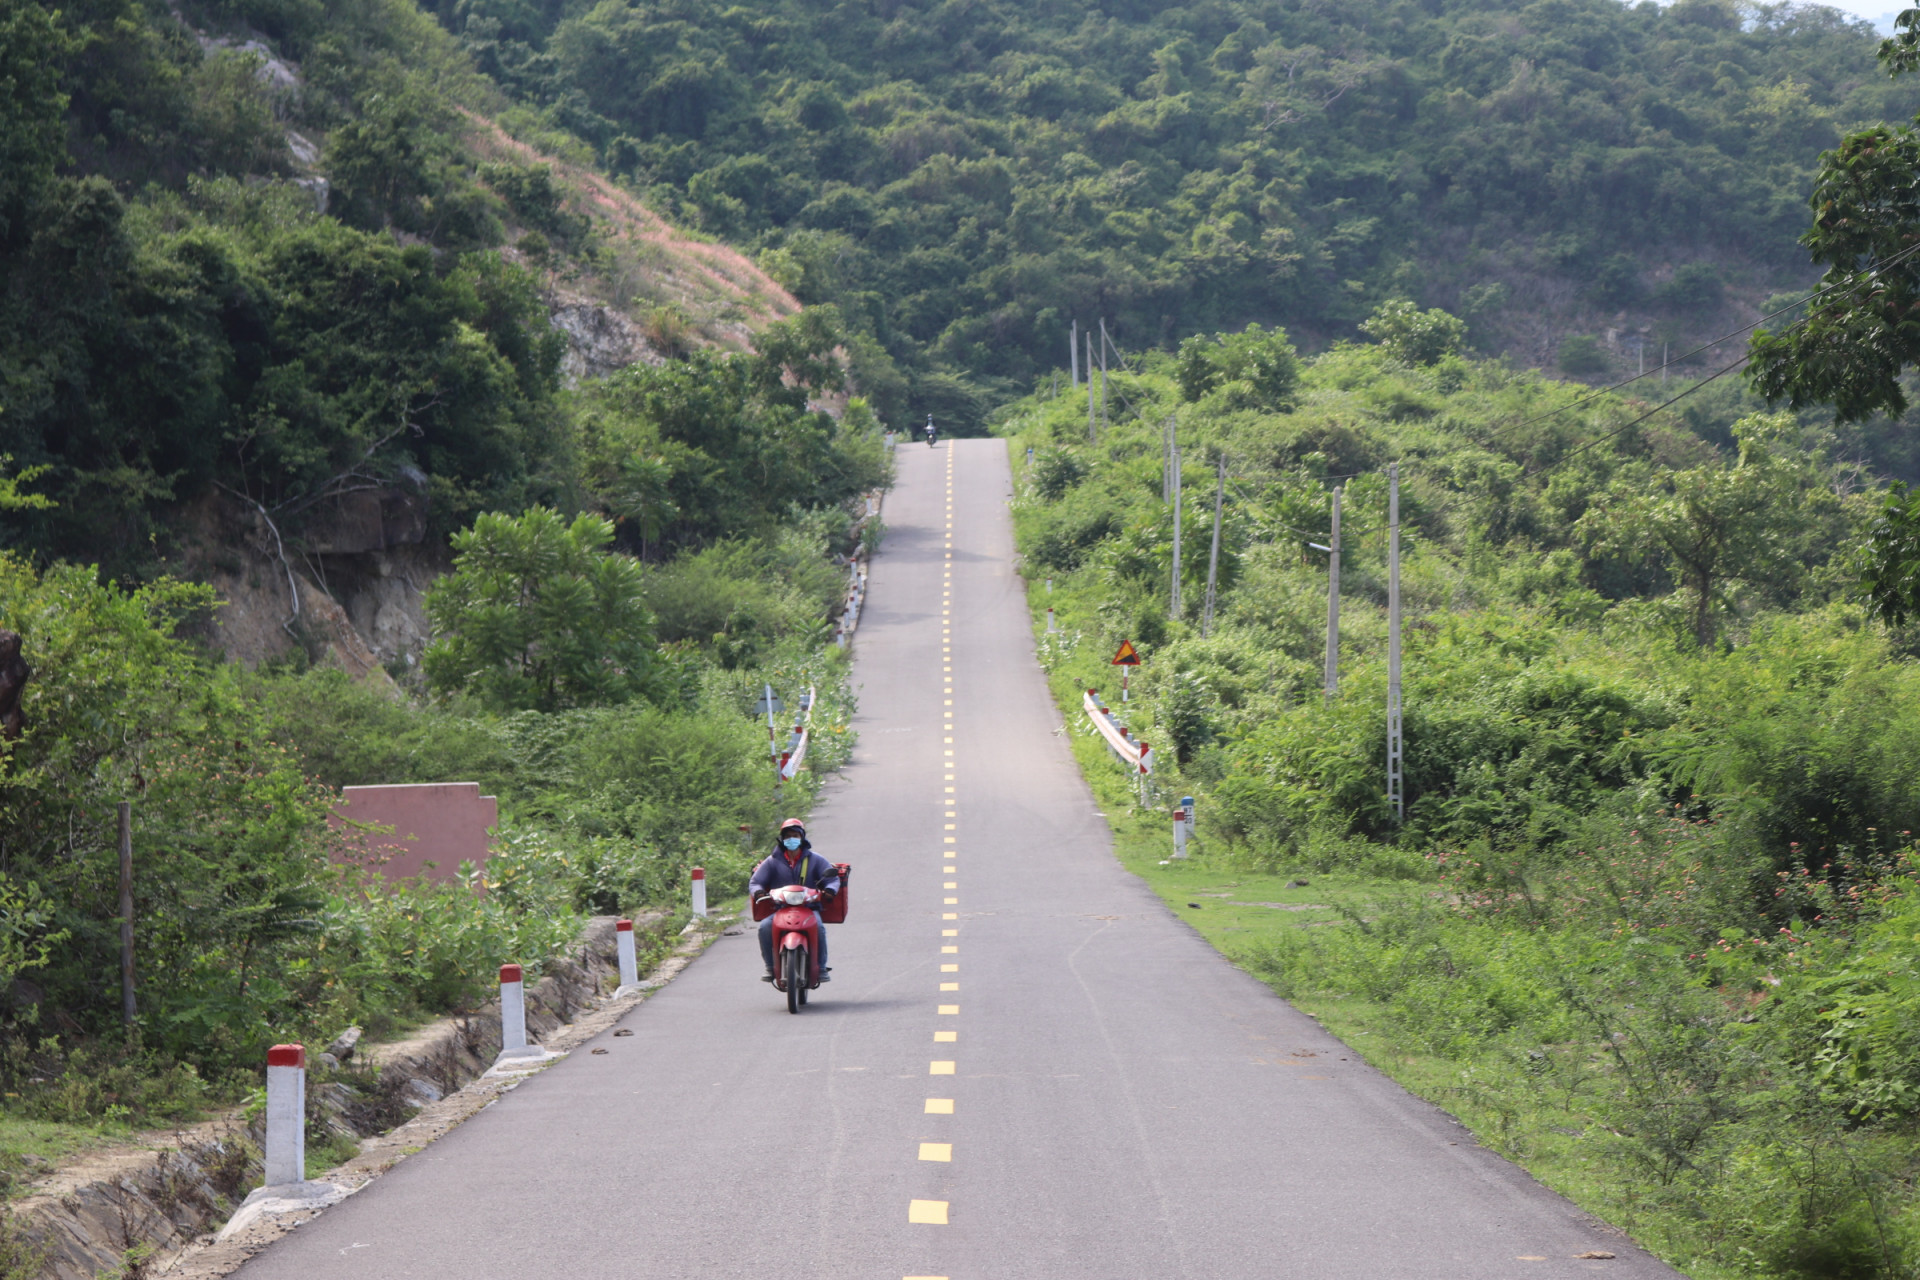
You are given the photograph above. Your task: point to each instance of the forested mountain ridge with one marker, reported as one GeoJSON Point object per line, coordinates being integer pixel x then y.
{"type": "Point", "coordinates": [966, 179]}
{"type": "Point", "coordinates": [259, 277]}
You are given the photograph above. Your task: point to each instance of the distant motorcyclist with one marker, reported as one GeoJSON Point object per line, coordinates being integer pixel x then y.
{"type": "Point", "coordinates": [792, 862]}
{"type": "Point", "coordinates": [930, 431]}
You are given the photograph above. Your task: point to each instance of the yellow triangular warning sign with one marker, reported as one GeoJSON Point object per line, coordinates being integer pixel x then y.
{"type": "Point", "coordinates": [1127, 657]}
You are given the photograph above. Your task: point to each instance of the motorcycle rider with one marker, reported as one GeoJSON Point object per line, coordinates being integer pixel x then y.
{"type": "Point", "coordinates": [792, 862]}
{"type": "Point", "coordinates": [929, 431]}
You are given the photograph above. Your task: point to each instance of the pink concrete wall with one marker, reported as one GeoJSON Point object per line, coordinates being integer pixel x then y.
{"type": "Point", "coordinates": [442, 823]}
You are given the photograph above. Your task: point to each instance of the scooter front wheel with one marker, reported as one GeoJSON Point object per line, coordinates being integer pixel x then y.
{"type": "Point", "coordinates": [796, 975]}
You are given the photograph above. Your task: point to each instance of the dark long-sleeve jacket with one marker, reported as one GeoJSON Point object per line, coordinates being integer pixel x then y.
{"type": "Point", "coordinates": [808, 869]}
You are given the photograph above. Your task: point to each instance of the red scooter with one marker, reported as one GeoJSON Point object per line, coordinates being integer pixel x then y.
{"type": "Point", "coordinates": [796, 933]}
{"type": "Point", "coordinates": [796, 941]}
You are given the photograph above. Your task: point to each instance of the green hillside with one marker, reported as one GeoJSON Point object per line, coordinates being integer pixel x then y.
{"type": "Point", "coordinates": [964, 180]}
{"type": "Point", "coordinates": [288, 273]}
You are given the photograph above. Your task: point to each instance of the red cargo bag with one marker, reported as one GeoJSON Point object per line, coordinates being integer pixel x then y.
{"type": "Point", "coordinates": [835, 912]}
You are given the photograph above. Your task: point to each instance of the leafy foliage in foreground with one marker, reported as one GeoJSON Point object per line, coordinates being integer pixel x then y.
{"type": "Point", "coordinates": [538, 615]}
{"type": "Point", "coordinates": [250, 924]}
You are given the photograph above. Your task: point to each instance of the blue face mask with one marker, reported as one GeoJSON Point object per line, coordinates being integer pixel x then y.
{"type": "Point", "coordinates": [791, 842]}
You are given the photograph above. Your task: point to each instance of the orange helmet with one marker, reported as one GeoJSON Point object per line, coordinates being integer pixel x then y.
{"type": "Point", "coordinates": [793, 822]}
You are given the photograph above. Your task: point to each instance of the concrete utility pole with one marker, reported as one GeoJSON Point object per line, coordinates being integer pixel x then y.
{"type": "Point", "coordinates": [1073, 352]}
{"type": "Point", "coordinates": [1093, 434]}
{"type": "Point", "coordinates": [1333, 603]}
{"type": "Point", "coordinates": [1396, 793]}
{"type": "Point", "coordinates": [1174, 609]}
{"type": "Point", "coordinates": [1213, 556]}
{"type": "Point", "coordinates": [1104, 420]}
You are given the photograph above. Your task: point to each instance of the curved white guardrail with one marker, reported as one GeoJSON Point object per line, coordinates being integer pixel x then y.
{"type": "Point", "coordinates": [796, 753]}
{"type": "Point", "coordinates": [1132, 752]}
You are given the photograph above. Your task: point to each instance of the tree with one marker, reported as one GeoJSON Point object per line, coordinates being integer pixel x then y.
{"type": "Point", "coordinates": [1710, 525]}
{"type": "Point", "coordinates": [32, 109]}
{"type": "Point", "coordinates": [1853, 343]}
{"type": "Point", "coordinates": [1413, 336]}
{"type": "Point", "coordinates": [1890, 568]}
{"type": "Point", "coordinates": [1257, 368]}
{"type": "Point", "coordinates": [538, 615]}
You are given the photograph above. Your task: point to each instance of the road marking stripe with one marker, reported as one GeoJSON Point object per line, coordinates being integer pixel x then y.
{"type": "Point", "coordinates": [950, 915]}
{"type": "Point", "coordinates": [949, 968]}
{"type": "Point", "coordinates": [931, 1212]}
{"type": "Point", "coordinates": [949, 1008]}
{"type": "Point", "coordinates": [953, 950]}
{"type": "Point", "coordinates": [942, 1151]}
{"type": "Point", "coordinates": [946, 1037]}
{"type": "Point", "coordinates": [950, 902]}
{"type": "Point", "coordinates": [939, 1106]}
{"type": "Point", "coordinates": [939, 1068]}
{"type": "Point", "coordinates": [949, 986]}
{"type": "Point", "coordinates": [949, 933]}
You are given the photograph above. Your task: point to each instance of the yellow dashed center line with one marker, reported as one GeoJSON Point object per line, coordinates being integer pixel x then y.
{"type": "Point", "coordinates": [934, 1212]}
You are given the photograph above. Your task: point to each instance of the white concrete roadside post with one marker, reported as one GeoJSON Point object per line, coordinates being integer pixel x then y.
{"type": "Point", "coordinates": [286, 1189]}
{"type": "Point", "coordinates": [1052, 626]}
{"type": "Point", "coordinates": [1186, 803]}
{"type": "Point", "coordinates": [700, 893]}
{"type": "Point", "coordinates": [1179, 833]}
{"type": "Point", "coordinates": [514, 1047]}
{"type": "Point", "coordinates": [286, 1156]}
{"type": "Point", "coordinates": [513, 1014]}
{"type": "Point", "coordinates": [629, 963]}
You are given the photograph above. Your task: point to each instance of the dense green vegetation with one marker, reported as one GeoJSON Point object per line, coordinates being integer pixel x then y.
{"type": "Point", "coordinates": [185, 322]}
{"type": "Point", "coordinates": [965, 180]}
{"type": "Point", "coordinates": [1655, 937]}
{"type": "Point", "coordinates": [619, 761]}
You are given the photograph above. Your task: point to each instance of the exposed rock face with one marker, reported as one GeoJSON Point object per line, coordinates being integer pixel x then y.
{"type": "Point", "coordinates": [360, 583]}
{"type": "Point", "coordinates": [600, 341]}
{"type": "Point", "coordinates": [385, 593]}
{"type": "Point", "coordinates": [370, 520]}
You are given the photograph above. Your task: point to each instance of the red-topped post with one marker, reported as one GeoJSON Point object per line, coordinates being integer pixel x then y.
{"type": "Point", "coordinates": [700, 893]}
{"type": "Point", "coordinates": [513, 1014]}
{"type": "Point", "coordinates": [629, 963]}
{"type": "Point", "coordinates": [286, 1154]}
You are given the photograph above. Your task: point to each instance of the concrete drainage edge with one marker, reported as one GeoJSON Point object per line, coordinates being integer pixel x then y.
{"type": "Point", "coordinates": [168, 1201]}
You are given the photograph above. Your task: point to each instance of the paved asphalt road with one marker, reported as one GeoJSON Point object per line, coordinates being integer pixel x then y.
{"type": "Point", "coordinates": [1025, 1067]}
